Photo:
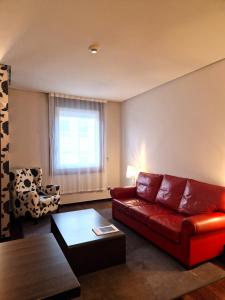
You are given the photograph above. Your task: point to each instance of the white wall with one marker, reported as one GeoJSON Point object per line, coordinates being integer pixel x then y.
{"type": "Point", "coordinates": [29, 144]}
{"type": "Point", "coordinates": [179, 128]}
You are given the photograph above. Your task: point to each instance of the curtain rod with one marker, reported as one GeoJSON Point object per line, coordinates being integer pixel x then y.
{"type": "Point", "coordinates": [77, 97]}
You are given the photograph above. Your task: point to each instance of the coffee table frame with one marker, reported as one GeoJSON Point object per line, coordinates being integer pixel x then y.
{"type": "Point", "coordinates": [94, 252]}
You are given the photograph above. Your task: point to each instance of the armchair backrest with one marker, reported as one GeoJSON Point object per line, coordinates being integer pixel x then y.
{"type": "Point", "coordinates": [23, 180]}
{"type": "Point", "coordinates": [37, 175]}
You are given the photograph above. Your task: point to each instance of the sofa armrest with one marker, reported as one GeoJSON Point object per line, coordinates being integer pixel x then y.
{"type": "Point", "coordinates": [123, 192]}
{"type": "Point", "coordinates": [204, 223]}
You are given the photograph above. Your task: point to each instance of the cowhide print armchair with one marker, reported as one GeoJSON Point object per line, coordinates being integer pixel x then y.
{"type": "Point", "coordinates": [29, 197]}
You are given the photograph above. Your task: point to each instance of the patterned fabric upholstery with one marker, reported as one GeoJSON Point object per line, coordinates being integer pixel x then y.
{"type": "Point", "coordinates": [29, 197]}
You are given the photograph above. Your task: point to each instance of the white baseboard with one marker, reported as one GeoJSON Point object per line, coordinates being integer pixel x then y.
{"type": "Point", "coordinates": [83, 197]}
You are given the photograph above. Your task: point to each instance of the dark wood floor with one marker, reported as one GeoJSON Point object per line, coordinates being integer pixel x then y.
{"type": "Point", "coordinates": [214, 291]}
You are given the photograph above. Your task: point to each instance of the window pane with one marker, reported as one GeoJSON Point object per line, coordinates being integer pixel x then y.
{"type": "Point", "coordinates": [78, 139]}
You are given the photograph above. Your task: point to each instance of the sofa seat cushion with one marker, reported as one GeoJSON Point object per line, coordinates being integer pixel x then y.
{"type": "Point", "coordinates": [201, 198]}
{"type": "Point", "coordinates": [171, 191]}
{"type": "Point", "coordinates": [168, 225]}
{"type": "Point", "coordinates": [125, 204]}
{"type": "Point", "coordinates": [144, 212]}
{"type": "Point", "coordinates": [148, 185]}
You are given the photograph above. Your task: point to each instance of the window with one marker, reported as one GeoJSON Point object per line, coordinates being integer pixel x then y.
{"type": "Point", "coordinates": [78, 137]}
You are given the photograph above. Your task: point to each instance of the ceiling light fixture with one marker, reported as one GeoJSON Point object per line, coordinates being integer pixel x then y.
{"type": "Point", "coordinates": [94, 48]}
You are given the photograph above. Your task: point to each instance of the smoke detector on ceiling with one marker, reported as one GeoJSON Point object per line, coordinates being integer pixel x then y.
{"type": "Point", "coordinates": [94, 48]}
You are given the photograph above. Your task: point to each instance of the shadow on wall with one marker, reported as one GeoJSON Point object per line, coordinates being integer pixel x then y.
{"type": "Point", "coordinates": [14, 34]}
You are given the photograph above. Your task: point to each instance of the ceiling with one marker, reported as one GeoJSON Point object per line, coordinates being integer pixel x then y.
{"type": "Point", "coordinates": [144, 43]}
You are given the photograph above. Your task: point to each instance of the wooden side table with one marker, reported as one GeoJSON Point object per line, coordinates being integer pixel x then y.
{"type": "Point", "coordinates": [35, 268]}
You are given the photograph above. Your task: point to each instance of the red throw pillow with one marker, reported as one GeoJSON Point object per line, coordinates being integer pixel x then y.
{"type": "Point", "coordinates": [201, 198]}
{"type": "Point", "coordinates": [148, 185]}
{"type": "Point", "coordinates": [171, 191]}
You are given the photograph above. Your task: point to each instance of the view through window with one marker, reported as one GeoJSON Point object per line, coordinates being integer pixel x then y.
{"type": "Point", "coordinates": [79, 139]}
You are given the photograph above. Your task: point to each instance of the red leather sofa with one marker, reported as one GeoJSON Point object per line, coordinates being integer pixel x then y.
{"type": "Point", "coordinates": [184, 217]}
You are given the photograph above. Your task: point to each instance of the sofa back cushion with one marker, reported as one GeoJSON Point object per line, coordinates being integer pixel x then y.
{"type": "Point", "coordinates": [171, 191]}
{"type": "Point", "coordinates": [202, 197]}
{"type": "Point", "coordinates": [148, 185]}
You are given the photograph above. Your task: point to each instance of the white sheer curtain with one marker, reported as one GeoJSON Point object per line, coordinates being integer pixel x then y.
{"type": "Point", "coordinates": [77, 144]}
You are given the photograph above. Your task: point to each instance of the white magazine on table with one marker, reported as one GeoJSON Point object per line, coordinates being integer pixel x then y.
{"type": "Point", "coordinates": [105, 229]}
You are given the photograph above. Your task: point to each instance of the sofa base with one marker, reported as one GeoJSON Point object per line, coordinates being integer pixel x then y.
{"type": "Point", "coordinates": [190, 252]}
{"type": "Point", "coordinates": [172, 248]}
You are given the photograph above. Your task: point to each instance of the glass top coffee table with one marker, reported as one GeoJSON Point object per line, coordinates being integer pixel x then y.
{"type": "Point", "coordinates": [85, 251]}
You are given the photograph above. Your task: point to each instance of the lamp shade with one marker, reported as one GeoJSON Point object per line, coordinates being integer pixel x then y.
{"type": "Point", "coordinates": [131, 171]}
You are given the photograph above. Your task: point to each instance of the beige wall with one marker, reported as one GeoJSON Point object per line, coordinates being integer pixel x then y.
{"type": "Point", "coordinates": [29, 145]}
{"type": "Point", "coordinates": [179, 128]}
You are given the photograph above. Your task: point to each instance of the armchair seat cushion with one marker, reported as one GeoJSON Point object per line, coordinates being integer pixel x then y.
{"type": "Point", "coordinates": [56, 199]}
{"type": "Point", "coordinates": [47, 205]}
{"type": "Point", "coordinates": [45, 201]}
{"type": "Point", "coordinates": [144, 212]}
{"type": "Point", "coordinates": [168, 225]}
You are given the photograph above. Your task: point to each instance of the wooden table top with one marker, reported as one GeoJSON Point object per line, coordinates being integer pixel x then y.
{"type": "Point", "coordinates": [76, 227]}
{"type": "Point", "coordinates": [35, 268]}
